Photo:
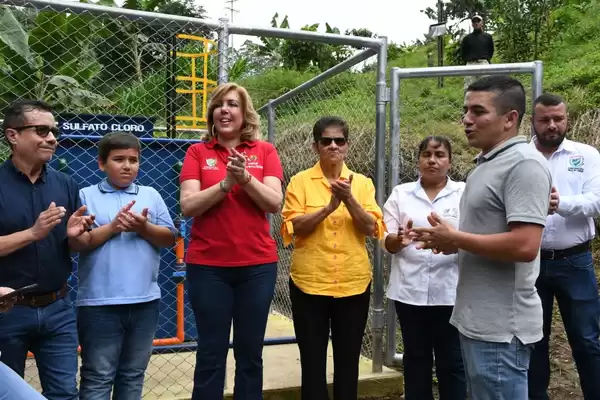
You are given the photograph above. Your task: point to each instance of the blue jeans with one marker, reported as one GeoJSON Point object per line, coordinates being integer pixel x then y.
{"type": "Point", "coordinates": [496, 371]}
{"type": "Point", "coordinates": [50, 333]}
{"type": "Point", "coordinates": [573, 281]}
{"type": "Point", "coordinates": [13, 387]}
{"type": "Point", "coordinates": [219, 295]}
{"type": "Point", "coordinates": [426, 330]}
{"type": "Point", "coordinates": [116, 345]}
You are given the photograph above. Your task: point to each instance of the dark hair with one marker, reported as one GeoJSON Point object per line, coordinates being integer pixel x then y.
{"type": "Point", "coordinates": [548, 100]}
{"type": "Point", "coordinates": [510, 94]}
{"type": "Point", "coordinates": [117, 141]}
{"type": "Point", "coordinates": [14, 114]}
{"type": "Point", "coordinates": [328, 122]}
{"type": "Point", "coordinates": [442, 140]}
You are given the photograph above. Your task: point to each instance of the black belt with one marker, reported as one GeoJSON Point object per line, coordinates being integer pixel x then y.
{"type": "Point", "coordinates": [42, 300]}
{"type": "Point", "coordinates": [546, 254]}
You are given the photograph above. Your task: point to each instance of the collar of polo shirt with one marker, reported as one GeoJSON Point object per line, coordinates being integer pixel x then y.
{"type": "Point", "coordinates": [316, 172]}
{"type": "Point", "coordinates": [106, 187]}
{"type": "Point", "coordinates": [507, 144]}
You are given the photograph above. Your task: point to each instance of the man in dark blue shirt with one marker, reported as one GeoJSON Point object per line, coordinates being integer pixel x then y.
{"type": "Point", "coordinates": [40, 214]}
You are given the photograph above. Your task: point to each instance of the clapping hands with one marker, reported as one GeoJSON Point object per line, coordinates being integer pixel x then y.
{"type": "Point", "coordinates": [129, 221]}
{"type": "Point", "coordinates": [341, 191]}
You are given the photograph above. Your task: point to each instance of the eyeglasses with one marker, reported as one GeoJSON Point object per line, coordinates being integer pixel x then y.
{"type": "Point", "coordinates": [41, 130]}
{"type": "Point", "coordinates": [326, 141]}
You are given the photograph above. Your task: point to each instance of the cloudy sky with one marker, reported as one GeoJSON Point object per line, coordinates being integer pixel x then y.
{"type": "Point", "coordinates": [399, 20]}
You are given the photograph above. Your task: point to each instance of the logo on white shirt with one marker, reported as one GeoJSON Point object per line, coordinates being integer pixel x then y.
{"type": "Point", "coordinates": [576, 163]}
{"type": "Point", "coordinates": [450, 213]}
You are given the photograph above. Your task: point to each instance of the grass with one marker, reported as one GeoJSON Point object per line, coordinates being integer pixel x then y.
{"type": "Point", "coordinates": [571, 69]}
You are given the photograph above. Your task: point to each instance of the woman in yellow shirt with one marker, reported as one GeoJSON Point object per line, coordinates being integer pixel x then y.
{"type": "Point", "coordinates": [328, 213]}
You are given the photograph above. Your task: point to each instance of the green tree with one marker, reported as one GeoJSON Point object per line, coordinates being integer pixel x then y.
{"type": "Point", "coordinates": [297, 54]}
{"type": "Point", "coordinates": [53, 61]}
{"type": "Point", "coordinates": [522, 28]}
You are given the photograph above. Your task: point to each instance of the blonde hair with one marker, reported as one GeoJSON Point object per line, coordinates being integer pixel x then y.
{"type": "Point", "coordinates": [251, 125]}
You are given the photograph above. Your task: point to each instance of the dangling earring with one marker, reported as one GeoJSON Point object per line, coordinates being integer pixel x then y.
{"type": "Point", "coordinates": [212, 130]}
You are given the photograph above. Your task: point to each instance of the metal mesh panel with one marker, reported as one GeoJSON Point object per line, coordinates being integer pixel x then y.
{"type": "Point", "coordinates": [152, 72]}
{"type": "Point", "coordinates": [424, 108]}
{"type": "Point", "coordinates": [153, 75]}
{"type": "Point", "coordinates": [343, 96]}
{"type": "Point", "coordinates": [444, 108]}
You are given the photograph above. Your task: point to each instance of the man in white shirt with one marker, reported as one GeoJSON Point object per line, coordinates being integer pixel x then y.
{"type": "Point", "coordinates": [566, 267]}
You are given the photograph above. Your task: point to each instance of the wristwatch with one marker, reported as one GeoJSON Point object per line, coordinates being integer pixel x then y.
{"type": "Point", "coordinates": [223, 186]}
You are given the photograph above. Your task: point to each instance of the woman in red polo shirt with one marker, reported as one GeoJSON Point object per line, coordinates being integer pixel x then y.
{"type": "Point", "coordinates": [229, 184]}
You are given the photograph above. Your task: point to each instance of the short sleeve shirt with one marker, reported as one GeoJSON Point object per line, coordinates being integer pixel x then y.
{"type": "Point", "coordinates": [46, 262]}
{"type": "Point", "coordinates": [234, 232]}
{"type": "Point", "coordinates": [497, 300]}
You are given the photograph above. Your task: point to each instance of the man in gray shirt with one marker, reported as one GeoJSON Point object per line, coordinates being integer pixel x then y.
{"type": "Point", "coordinates": [503, 212]}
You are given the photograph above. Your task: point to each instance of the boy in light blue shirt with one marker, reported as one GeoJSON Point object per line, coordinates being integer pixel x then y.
{"type": "Point", "coordinates": [118, 294]}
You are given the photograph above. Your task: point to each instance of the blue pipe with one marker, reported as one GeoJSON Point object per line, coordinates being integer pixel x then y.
{"type": "Point", "coordinates": [193, 346]}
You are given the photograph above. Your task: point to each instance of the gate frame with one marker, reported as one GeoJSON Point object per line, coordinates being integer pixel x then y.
{"type": "Point", "coordinates": [224, 30]}
{"type": "Point", "coordinates": [534, 68]}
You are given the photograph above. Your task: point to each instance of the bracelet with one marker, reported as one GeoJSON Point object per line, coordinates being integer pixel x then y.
{"type": "Point", "coordinates": [247, 179]}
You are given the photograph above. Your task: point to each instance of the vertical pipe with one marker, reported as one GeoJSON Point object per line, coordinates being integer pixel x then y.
{"type": "Point", "coordinates": [171, 89]}
{"type": "Point", "coordinates": [394, 170]}
{"type": "Point", "coordinates": [194, 92]}
{"type": "Point", "coordinates": [537, 83]}
{"type": "Point", "coordinates": [271, 139]}
{"type": "Point", "coordinates": [223, 48]}
{"type": "Point", "coordinates": [440, 41]}
{"type": "Point", "coordinates": [271, 122]}
{"type": "Point", "coordinates": [378, 290]}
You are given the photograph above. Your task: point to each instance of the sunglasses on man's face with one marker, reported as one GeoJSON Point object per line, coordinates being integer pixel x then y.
{"type": "Point", "coordinates": [326, 141]}
{"type": "Point", "coordinates": [41, 130]}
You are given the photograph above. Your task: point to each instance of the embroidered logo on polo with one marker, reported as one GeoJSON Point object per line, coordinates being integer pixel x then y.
{"type": "Point", "coordinates": [252, 161]}
{"type": "Point", "coordinates": [211, 164]}
{"type": "Point", "coordinates": [576, 164]}
{"type": "Point", "coordinates": [450, 213]}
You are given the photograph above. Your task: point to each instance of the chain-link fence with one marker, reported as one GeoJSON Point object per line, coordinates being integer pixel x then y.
{"type": "Point", "coordinates": [125, 71]}
{"type": "Point", "coordinates": [342, 93]}
{"type": "Point", "coordinates": [108, 68]}
{"type": "Point", "coordinates": [423, 107]}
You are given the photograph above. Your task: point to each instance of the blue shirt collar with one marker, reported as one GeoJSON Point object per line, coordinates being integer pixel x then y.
{"type": "Point", "coordinates": [106, 187]}
{"type": "Point", "coordinates": [12, 168]}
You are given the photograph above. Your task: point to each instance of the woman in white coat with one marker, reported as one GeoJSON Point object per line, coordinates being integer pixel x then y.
{"type": "Point", "coordinates": [422, 284]}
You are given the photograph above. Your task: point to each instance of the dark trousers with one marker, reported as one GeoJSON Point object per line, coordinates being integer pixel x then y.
{"type": "Point", "coordinates": [50, 333]}
{"type": "Point", "coordinates": [116, 345]}
{"type": "Point", "coordinates": [219, 295]}
{"type": "Point", "coordinates": [573, 281]}
{"type": "Point", "coordinates": [426, 330]}
{"type": "Point", "coordinates": [312, 318]}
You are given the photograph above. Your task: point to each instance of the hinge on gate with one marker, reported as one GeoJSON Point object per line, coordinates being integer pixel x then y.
{"type": "Point", "coordinates": [387, 94]}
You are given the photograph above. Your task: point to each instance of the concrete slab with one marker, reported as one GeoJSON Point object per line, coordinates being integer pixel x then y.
{"type": "Point", "coordinates": [170, 376]}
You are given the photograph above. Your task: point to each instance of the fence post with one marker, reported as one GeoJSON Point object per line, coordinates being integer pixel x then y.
{"type": "Point", "coordinates": [393, 174]}
{"type": "Point", "coordinates": [271, 139]}
{"type": "Point", "coordinates": [223, 49]}
{"type": "Point", "coordinates": [271, 122]}
{"type": "Point", "coordinates": [536, 85]}
{"type": "Point", "coordinates": [378, 289]}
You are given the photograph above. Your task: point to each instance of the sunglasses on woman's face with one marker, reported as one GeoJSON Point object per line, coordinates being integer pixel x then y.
{"type": "Point", "coordinates": [326, 141]}
{"type": "Point", "coordinates": [41, 130]}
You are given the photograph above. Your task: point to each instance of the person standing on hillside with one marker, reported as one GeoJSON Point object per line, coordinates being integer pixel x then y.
{"type": "Point", "coordinates": [502, 215]}
{"type": "Point", "coordinates": [477, 48]}
{"type": "Point", "coordinates": [567, 266]}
